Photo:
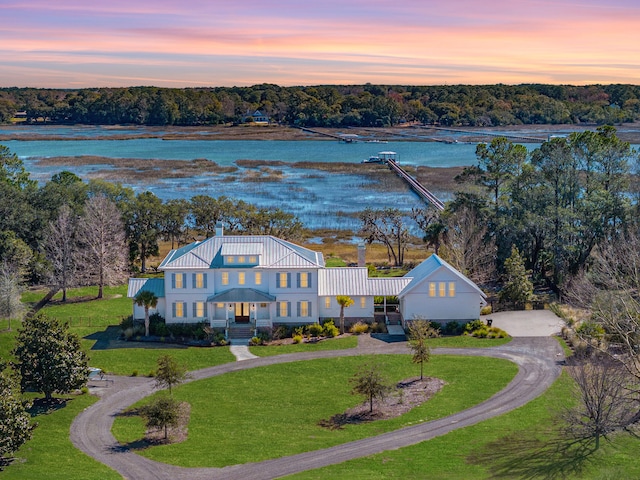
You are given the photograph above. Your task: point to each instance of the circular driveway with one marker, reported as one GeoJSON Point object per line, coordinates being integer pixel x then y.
{"type": "Point", "coordinates": [539, 360]}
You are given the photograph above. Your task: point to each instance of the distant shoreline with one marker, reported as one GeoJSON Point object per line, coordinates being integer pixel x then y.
{"type": "Point", "coordinates": [409, 133]}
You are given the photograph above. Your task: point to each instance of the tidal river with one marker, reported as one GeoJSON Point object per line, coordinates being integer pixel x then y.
{"type": "Point", "coordinates": [320, 198]}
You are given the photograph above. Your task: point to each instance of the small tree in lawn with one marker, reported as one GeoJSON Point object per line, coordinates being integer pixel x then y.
{"type": "Point", "coordinates": [345, 302]}
{"type": "Point", "coordinates": [518, 287]}
{"type": "Point", "coordinates": [48, 357]}
{"type": "Point", "coordinates": [15, 421]}
{"type": "Point", "coordinates": [170, 372]}
{"type": "Point", "coordinates": [369, 382]}
{"type": "Point", "coordinates": [148, 300]}
{"type": "Point", "coordinates": [163, 412]}
{"type": "Point", "coordinates": [419, 332]}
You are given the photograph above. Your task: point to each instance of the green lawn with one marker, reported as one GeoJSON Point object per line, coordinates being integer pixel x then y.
{"type": "Point", "coordinates": [520, 444]}
{"type": "Point", "coordinates": [141, 358]}
{"type": "Point", "coordinates": [273, 411]}
{"type": "Point", "coordinates": [50, 454]}
{"type": "Point", "coordinates": [83, 309]}
{"type": "Point", "coordinates": [329, 344]}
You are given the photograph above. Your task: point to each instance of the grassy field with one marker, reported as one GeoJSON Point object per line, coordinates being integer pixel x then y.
{"type": "Point", "coordinates": [244, 417]}
{"type": "Point", "coordinates": [50, 453]}
{"type": "Point", "coordinates": [524, 443]}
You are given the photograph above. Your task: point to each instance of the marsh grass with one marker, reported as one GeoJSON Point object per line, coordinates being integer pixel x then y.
{"type": "Point", "coordinates": [140, 169]}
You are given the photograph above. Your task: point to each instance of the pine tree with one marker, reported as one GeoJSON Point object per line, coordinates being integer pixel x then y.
{"type": "Point", "coordinates": [517, 287]}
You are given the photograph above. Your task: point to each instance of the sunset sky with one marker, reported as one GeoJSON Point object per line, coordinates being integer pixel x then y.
{"type": "Point", "coordinates": [190, 43]}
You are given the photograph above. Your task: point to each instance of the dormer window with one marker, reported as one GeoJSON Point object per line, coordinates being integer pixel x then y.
{"type": "Point", "coordinates": [241, 254]}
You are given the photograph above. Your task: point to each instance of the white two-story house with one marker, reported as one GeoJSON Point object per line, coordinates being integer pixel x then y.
{"type": "Point", "coordinates": [262, 281]}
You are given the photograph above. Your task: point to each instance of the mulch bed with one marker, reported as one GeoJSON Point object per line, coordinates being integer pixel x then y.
{"type": "Point", "coordinates": [406, 395]}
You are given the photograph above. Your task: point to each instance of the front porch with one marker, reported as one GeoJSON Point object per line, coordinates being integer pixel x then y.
{"type": "Point", "coordinates": [240, 311]}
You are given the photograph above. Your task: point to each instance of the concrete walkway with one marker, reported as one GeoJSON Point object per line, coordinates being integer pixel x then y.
{"type": "Point", "coordinates": [241, 352]}
{"type": "Point", "coordinates": [539, 360]}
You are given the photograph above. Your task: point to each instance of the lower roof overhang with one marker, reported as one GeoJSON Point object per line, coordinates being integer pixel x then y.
{"type": "Point", "coordinates": [236, 295]}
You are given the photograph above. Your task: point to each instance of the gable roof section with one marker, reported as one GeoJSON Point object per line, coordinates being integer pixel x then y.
{"type": "Point", "coordinates": [429, 267]}
{"type": "Point", "coordinates": [153, 285]}
{"type": "Point", "coordinates": [273, 252]}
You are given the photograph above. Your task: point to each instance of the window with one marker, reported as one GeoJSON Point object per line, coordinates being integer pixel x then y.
{"type": "Point", "coordinates": [199, 309]}
{"type": "Point", "coordinates": [178, 310]}
{"type": "Point", "coordinates": [258, 278]}
{"type": "Point", "coordinates": [304, 309]}
{"type": "Point", "coordinates": [284, 279]}
{"type": "Point", "coordinates": [230, 259]}
{"type": "Point", "coordinates": [253, 259]}
{"type": "Point", "coordinates": [452, 289]}
{"type": "Point", "coordinates": [327, 302]}
{"type": "Point", "coordinates": [199, 280]}
{"type": "Point", "coordinates": [219, 305]}
{"type": "Point", "coordinates": [178, 280]}
{"type": "Point", "coordinates": [363, 302]}
{"type": "Point", "coordinates": [225, 278]}
{"type": "Point", "coordinates": [432, 289]}
{"type": "Point", "coordinates": [442, 289]}
{"type": "Point", "coordinates": [241, 259]}
{"type": "Point", "coordinates": [240, 278]}
{"type": "Point", "coordinates": [303, 280]}
{"type": "Point", "coordinates": [283, 309]}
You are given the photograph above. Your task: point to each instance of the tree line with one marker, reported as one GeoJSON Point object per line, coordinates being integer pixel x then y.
{"type": "Point", "coordinates": [329, 105]}
{"type": "Point", "coordinates": [68, 232]}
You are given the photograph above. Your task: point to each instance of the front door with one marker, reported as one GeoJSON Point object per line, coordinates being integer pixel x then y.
{"type": "Point", "coordinates": [242, 312]}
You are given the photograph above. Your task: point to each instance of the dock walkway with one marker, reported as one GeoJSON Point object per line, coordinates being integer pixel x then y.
{"type": "Point", "coordinates": [416, 186]}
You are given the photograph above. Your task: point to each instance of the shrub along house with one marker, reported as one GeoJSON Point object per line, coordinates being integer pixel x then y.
{"type": "Point", "coordinates": [255, 282]}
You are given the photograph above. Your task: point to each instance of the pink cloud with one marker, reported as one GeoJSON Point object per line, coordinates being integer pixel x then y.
{"type": "Point", "coordinates": [286, 42]}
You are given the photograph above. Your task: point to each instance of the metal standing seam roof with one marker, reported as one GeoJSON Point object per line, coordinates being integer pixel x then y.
{"type": "Point", "coordinates": [355, 281]}
{"type": "Point", "coordinates": [241, 295]}
{"type": "Point", "coordinates": [241, 249]}
{"type": "Point", "coordinates": [153, 285]}
{"type": "Point", "coordinates": [276, 253]}
{"type": "Point", "coordinates": [429, 267]}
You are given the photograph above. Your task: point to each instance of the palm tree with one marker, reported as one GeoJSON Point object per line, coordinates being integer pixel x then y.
{"type": "Point", "coordinates": [345, 302]}
{"type": "Point", "coordinates": [148, 300]}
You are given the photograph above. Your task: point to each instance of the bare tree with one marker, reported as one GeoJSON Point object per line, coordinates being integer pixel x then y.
{"type": "Point", "coordinates": [62, 250]}
{"type": "Point", "coordinates": [605, 403]}
{"type": "Point", "coordinates": [103, 244]}
{"type": "Point", "coordinates": [610, 290]}
{"type": "Point", "coordinates": [11, 307]}
{"type": "Point", "coordinates": [387, 227]}
{"type": "Point", "coordinates": [468, 248]}
{"type": "Point", "coordinates": [431, 223]}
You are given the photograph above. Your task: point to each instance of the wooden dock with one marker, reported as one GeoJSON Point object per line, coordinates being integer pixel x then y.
{"type": "Point", "coordinates": [416, 186]}
{"type": "Point", "coordinates": [342, 138]}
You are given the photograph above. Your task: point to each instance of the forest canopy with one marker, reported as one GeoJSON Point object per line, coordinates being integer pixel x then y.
{"type": "Point", "coordinates": [328, 105]}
